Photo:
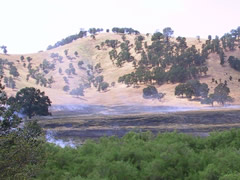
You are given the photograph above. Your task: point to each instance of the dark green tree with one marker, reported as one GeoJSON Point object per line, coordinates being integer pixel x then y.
{"type": "Point", "coordinates": [33, 102]}
{"type": "Point", "coordinates": [180, 90]}
{"type": "Point", "coordinates": [103, 86]}
{"type": "Point", "coordinates": [221, 94]}
{"type": "Point", "coordinates": [150, 92]}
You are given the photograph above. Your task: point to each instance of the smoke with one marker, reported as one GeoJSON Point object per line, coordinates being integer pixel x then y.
{"type": "Point", "coordinates": [59, 142]}
{"type": "Point", "coordinates": [130, 109]}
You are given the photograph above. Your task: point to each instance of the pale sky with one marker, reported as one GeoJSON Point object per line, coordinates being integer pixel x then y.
{"type": "Point", "coordinates": [28, 26]}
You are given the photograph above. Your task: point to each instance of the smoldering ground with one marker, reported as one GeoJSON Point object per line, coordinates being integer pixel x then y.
{"type": "Point", "coordinates": [93, 122]}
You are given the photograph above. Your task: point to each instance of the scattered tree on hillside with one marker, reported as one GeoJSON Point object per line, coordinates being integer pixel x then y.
{"type": "Point", "coordinates": [22, 58]}
{"type": "Point", "coordinates": [60, 70]}
{"type": "Point", "coordinates": [29, 59]}
{"type": "Point", "coordinates": [65, 80]}
{"type": "Point", "coordinates": [13, 71]}
{"type": "Point", "coordinates": [103, 86]}
{"type": "Point", "coordinates": [151, 92]}
{"type": "Point", "coordinates": [234, 62]}
{"type": "Point", "coordinates": [220, 95]}
{"type": "Point", "coordinates": [93, 37]}
{"type": "Point", "coordinates": [66, 88]}
{"type": "Point", "coordinates": [76, 53]}
{"type": "Point", "coordinates": [222, 56]}
{"type": "Point", "coordinates": [192, 88]}
{"type": "Point", "coordinates": [98, 68]}
{"type": "Point", "coordinates": [78, 91]}
{"type": "Point", "coordinates": [66, 52]}
{"type": "Point", "coordinates": [9, 82]}
{"type": "Point", "coordinates": [80, 63]}
{"type": "Point", "coordinates": [4, 48]}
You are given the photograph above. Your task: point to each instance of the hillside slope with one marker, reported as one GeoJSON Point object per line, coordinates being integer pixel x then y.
{"type": "Point", "coordinates": [119, 94]}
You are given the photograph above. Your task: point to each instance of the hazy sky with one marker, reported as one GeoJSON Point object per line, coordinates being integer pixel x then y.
{"type": "Point", "coordinates": [28, 26]}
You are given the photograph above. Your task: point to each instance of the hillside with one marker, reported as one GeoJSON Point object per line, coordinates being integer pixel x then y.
{"type": "Point", "coordinates": [119, 94]}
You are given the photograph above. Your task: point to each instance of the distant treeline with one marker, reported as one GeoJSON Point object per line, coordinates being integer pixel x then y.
{"type": "Point", "coordinates": [68, 40]}
{"type": "Point", "coordinates": [92, 31]}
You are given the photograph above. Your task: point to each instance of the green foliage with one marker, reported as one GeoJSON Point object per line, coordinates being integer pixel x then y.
{"type": "Point", "coordinates": [47, 66]}
{"type": "Point", "coordinates": [177, 74]}
{"type": "Point", "coordinates": [56, 57]}
{"type": "Point", "coordinates": [157, 36]}
{"type": "Point", "coordinates": [234, 62]}
{"type": "Point", "coordinates": [221, 94]}
{"type": "Point", "coordinates": [150, 92]}
{"type": "Point", "coordinates": [98, 68]}
{"type": "Point", "coordinates": [21, 150]}
{"type": "Point", "coordinates": [103, 86]}
{"type": "Point", "coordinates": [113, 54]}
{"type": "Point", "coordinates": [142, 156]}
{"type": "Point", "coordinates": [112, 43]}
{"type": "Point", "coordinates": [222, 56]}
{"type": "Point", "coordinates": [33, 102]}
{"type": "Point", "coordinates": [180, 90]}
{"type": "Point", "coordinates": [192, 88]}
{"type": "Point", "coordinates": [163, 61]}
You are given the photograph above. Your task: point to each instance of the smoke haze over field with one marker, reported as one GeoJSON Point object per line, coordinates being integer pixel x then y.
{"type": "Point", "coordinates": [130, 109]}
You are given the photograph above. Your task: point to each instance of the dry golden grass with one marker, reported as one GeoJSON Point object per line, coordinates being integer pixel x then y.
{"type": "Point", "coordinates": [120, 94]}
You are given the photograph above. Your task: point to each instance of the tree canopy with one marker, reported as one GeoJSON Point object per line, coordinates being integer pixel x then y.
{"type": "Point", "coordinates": [33, 102]}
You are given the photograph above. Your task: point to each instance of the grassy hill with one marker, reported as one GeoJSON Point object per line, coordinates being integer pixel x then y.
{"type": "Point", "coordinates": [119, 94]}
